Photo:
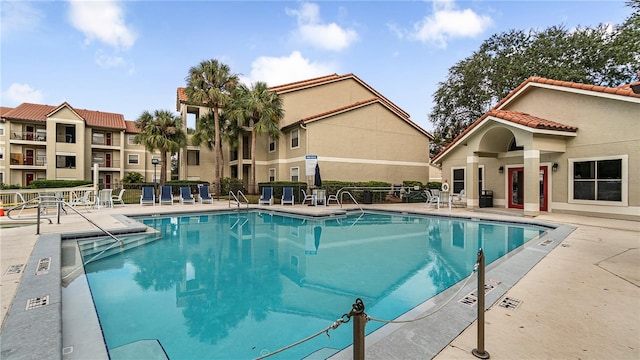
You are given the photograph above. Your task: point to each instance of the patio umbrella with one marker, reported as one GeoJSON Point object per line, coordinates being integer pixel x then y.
{"type": "Point", "coordinates": [317, 181]}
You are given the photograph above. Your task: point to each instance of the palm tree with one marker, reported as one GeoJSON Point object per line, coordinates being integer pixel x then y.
{"type": "Point", "coordinates": [261, 110]}
{"type": "Point", "coordinates": [210, 84]}
{"type": "Point", "coordinates": [204, 133]}
{"type": "Point", "coordinates": [162, 131]}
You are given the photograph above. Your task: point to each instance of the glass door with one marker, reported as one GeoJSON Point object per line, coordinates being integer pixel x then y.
{"type": "Point", "coordinates": [516, 188]}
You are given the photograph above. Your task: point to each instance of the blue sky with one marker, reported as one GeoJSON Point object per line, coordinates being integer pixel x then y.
{"type": "Point", "coordinates": [130, 56]}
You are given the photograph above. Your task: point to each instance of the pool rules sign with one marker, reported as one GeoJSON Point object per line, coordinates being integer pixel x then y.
{"type": "Point", "coordinates": [310, 164]}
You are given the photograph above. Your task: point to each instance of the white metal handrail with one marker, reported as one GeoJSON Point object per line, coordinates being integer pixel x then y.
{"type": "Point", "coordinates": [235, 198]}
{"type": "Point", "coordinates": [342, 192]}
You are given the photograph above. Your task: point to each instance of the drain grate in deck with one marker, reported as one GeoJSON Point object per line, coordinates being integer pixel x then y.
{"type": "Point", "coordinates": [546, 242]}
{"type": "Point", "coordinates": [510, 303]}
{"type": "Point", "coordinates": [471, 298]}
{"type": "Point", "coordinates": [43, 266]}
{"type": "Point", "coordinates": [37, 302]}
{"type": "Point", "coordinates": [14, 269]}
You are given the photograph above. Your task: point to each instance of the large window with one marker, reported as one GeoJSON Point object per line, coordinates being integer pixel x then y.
{"type": "Point", "coordinates": [193, 157]}
{"type": "Point", "coordinates": [598, 179]}
{"type": "Point", "coordinates": [295, 173]}
{"type": "Point", "coordinates": [98, 138]}
{"type": "Point", "coordinates": [65, 161]}
{"type": "Point", "coordinates": [70, 134]}
{"type": "Point", "coordinates": [98, 158]}
{"type": "Point", "coordinates": [295, 141]}
{"type": "Point", "coordinates": [131, 140]}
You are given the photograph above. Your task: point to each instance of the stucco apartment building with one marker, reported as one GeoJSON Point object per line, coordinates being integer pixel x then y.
{"type": "Point", "coordinates": [356, 133]}
{"type": "Point", "coordinates": [553, 146]}
{"type": "Point", "coordinates": [63, 142]}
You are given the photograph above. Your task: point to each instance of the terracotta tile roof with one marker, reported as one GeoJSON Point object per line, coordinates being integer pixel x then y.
{"type": "Point", "coordinates": [182, 96]}
{"type": "Point", "coordinates": [37, 112]}
{"type": "Point", "coordinates": [624, 90]}
{"type": "Point", "coordinates": [4, 110]}
{"type": "Point", "coordinates": [530, 121]}
{"type": "Point", "coordinates": [131, 127]}
{"type": "Point", "coordinates": [355, 106]}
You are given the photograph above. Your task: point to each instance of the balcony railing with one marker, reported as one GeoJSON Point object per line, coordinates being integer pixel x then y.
{"type": "Point", "coordinates": [28, 136]}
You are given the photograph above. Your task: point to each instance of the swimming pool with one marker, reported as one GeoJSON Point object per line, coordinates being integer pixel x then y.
{"type": "Point", "coordinates": [238, 285]}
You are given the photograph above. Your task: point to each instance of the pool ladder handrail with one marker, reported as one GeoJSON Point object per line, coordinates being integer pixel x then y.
{"type": "Point", "coordinates": [342, 192]}
{"type": "Point", "coordinates": [235, 198]}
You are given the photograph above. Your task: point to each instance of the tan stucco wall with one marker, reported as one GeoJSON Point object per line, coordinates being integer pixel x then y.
{"type": "Point", "coordinates": [314, 100]}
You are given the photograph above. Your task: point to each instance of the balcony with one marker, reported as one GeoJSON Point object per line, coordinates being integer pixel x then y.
{"type": "Point", "coordinates": [28, 137]}
{"type": "Point", "coordinates": [20, 161]}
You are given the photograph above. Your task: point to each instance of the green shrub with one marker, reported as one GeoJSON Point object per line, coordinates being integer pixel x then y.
{"type": "Point", "coordinates": [50, 184]}
{"type": "Point", "coordinates": [133, 178]}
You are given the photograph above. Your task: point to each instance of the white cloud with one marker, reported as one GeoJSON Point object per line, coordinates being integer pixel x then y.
{"type": "Point", "coordinates": [18, 93]}
{"type": "Point", "coordinates": [282, 70]}
{"type": "Point", "coordinates": [107, 61]}
{"type": "Point", "coordinates": [103, 21]}
{"type": "Point", "coordinates": [19, 17]}
{"type": "Point", "coordinates": [325, 36]}
{"type": "Point", "coordinates": [447, 22]}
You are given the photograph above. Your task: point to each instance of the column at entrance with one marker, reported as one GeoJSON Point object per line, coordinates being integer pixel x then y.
{"type": "Point", "coordinates": [531, 182]}
{"type": "Point", "coordinates": [471, 183]}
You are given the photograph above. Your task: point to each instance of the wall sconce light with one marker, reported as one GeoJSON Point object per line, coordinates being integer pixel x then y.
{"type": "Point", "coordinates": [554, 167]}
{"type": "Point", "coordinates": [501, 169]}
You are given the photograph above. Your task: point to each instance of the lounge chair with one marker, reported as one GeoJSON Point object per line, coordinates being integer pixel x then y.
{"type": "Point", "coordinates": [119, 197]}
{"type": "Point", "coordinates": [287, 196]}
{"type": "Point", "coordinates": [185, 196]}
{"type": "Point", "coordinates": [459, 200]}
{"type": "Point", "coordinates": [165, 195]}
{"type": "Point", "coordinates": [433, 197]}
{"type": "Point", "coordinates": [267, 196]}
{"type": "Point", "coordinates": [307, 197]}
{"type": "Point", "coordinates": [84, 200]}
{"type": "Point", "coordinates": [204, 196]}
{"type": "Point", "coordinates": [148, 196]}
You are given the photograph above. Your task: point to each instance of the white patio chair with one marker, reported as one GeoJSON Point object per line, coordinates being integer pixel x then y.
{"type": "Point", "coordinates": [118, 198]}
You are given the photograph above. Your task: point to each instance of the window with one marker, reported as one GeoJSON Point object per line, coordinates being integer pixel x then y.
{"type": "Point", "coordinates": [1, 131]}
{"type": "Point", "coordinates": [599, 179]}
{"type": "Point", "coordinates": [65, 161]}
{"type": "Point", "coordinates": [272, 174]}
{"type": "Point", "coordinates": [1, 177]}
{"type": "Point", "coordinates": [459, 179]}
{"type": "Point", "coordinates": [295, 138]}
{"type": "Point", "coordinates": [131, 140]}
{"type": "Point", "coordinates": [1, 153]}
{"type": "Point", "coordinates": [272, 144]}
{"type": "Point", "coordinates": [98, 138]}
{"type": "Point", "coordinates": [134, 159]}
{"type": "Point", "coordinates": [294, 173]}
{"type": "Point", "coordinates": [193, 157]}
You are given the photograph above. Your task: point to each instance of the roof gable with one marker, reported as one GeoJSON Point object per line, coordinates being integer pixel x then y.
{"type": "Point", "coordinates": [355, 106]}
{"type": "Point", "coordinates": [37, 112]}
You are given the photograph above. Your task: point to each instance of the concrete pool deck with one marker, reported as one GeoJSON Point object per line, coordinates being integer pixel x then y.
{"type": "Point", "coordinates": [582, 300]}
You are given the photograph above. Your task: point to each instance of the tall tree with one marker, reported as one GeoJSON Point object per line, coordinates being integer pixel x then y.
{"type": "Point", "coordinates": [260, 109]}
{"type": "Point", "coordinates": [210, 84]}
{"type": "Point", "coordinates": [603, 55]}
{"type": "Point", "coordinates": [161, 131]}
{"type": "Point", "coordinates": [204, 133]}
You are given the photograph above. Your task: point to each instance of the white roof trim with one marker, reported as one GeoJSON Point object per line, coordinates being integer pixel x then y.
{"type": "Point", "coordinates": [571, 90]}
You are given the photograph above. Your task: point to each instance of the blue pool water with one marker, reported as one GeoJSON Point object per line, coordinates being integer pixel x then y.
{"type": "Point", "coordinates": [236, 286]}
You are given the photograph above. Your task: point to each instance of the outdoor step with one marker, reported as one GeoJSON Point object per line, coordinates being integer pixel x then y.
{"type": "Point", "coordinates": [100, 246]}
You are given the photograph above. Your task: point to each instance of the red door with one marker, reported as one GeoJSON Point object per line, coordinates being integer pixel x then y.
{"type": "Point", "coordinates": [107, 160]}
{"type": "Point", "coordinates": [28, 178]}
{"type": "Point", "coordinates": [107, 181]}
{"type": "Point", "coordinates": [108, 138]}
{"type": "Point", "coordinates": [516, 188]}
{"type": "Point", "coordinates": [28, 156]}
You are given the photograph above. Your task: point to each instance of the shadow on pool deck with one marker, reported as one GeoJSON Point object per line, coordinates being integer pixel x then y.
{"type": "Point", "coordinates": [579, 301]}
